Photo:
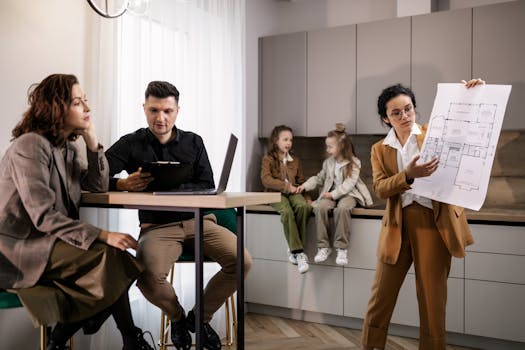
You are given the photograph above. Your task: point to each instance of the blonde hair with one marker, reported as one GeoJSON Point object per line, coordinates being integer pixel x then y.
{"type": "Point", "coordinates": [344, 143]}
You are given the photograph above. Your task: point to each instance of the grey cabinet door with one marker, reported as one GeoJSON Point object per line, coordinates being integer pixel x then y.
{"type": "Point", "coordinates": [331, 80]}
{"type": "Point", "coordinates": [283, 83]}
{"type": "Point", "coordinates": [499, 53]}
{"type": "Point", "coordinates": [383, 59]}
{"type": "Point", "coordinates": [441, 53]}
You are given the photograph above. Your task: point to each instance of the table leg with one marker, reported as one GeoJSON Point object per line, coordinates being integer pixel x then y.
{"type": "Point", "coordinates": [199, 288]}
{"type": "Point", "coordinates": [240, 278]}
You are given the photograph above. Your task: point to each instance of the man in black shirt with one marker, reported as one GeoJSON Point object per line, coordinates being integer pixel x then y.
{"type": "Point", "coordinates": [163, 234]}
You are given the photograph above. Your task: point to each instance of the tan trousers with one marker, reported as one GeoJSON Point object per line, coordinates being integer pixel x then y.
{"type": "Point", "coordinates": [342, 218]}
{"type": "Point", "coordinates": [422, 245]}
{"type": "Point", "coordinates": [159, 248]}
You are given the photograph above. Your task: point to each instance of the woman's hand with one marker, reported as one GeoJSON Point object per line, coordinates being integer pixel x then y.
{"type": "Point", "coordinates": [299, 189]}
{"type": "Point", "coordinates": [89, 136]}
{"type": "Point", "coordinates": [135, 182]}
{"type": "Point", "coordinates": [118, 240]}
{"type": "Point", "coordinates": [414, 170]}
{"type": "Point", "coordinates": [473, 82]}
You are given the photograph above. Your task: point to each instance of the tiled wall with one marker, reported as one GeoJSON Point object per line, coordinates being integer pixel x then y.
{"type": "Point", "coordinates": [507, 183]}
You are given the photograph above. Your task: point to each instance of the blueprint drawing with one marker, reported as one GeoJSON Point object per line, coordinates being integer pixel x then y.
{"type": "Point", "coordinates": [462, 133]}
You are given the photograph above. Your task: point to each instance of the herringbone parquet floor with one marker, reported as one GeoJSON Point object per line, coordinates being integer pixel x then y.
{"type": "Point", "coordinates": [273, 333]}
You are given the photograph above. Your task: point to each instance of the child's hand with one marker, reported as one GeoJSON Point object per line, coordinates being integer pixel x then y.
{"type": "Point", "coordinates": [327, 195]}
{"type": "Point", "coordinates": [292, 189]}
{"type": "Point", "coordinates": [300, 189]}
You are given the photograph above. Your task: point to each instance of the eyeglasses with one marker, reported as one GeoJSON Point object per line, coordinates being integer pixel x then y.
{"type": "Point", "coordinates": [398, 113]}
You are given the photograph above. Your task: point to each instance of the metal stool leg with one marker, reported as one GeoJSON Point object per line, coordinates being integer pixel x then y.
{"type": "Point", "coordinates": [234, 322]}
{"type": "Point", "coordinates": [231, 321]}
{"type": "Point", "coordinates": [163, 329]}
{"type": "Point", "coordinates": [165, 324]}
{"type": "Point", "coordinates": [43, 337]}
{"type": "Point", "coordinates": [228, 323]}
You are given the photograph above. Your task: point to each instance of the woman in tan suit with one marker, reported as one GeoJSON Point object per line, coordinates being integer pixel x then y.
{"type": "Point", "coordinates": [414, 229]}
{"type": "Point", "coordinates": [43, 244]}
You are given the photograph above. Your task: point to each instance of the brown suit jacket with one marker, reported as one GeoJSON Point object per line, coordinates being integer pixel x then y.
{"type": "Point", "coordinates": [389, 184]}
{"type": "Point", "coordinates": [39, 203]}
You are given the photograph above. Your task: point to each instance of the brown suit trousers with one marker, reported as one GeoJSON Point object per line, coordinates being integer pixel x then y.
{"type": "Point", "coordinates": [422, 245]}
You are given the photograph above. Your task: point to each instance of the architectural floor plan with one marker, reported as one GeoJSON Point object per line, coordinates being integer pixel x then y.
{"type": "Point", "coordinates": [462, 133]}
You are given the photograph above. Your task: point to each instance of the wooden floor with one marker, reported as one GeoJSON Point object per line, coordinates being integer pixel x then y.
{"type": "Point", "coordinates": [272, 333]}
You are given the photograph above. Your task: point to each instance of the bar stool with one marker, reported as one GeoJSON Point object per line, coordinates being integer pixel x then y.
{"type": "Point", "coordinates": [230, 316]}
{"type": "Point", "coordinates": [226, 218]}
{"type": "Point", "coordinates": [9, 300]}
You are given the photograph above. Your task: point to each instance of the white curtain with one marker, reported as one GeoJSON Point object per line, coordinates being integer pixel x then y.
{"type": "Point", "coordinates": [197, 45]}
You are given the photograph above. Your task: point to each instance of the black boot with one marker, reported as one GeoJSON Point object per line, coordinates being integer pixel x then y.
{"type": "Point", "coordinates": [180, 337]}
{"type": "Point", "coordinates": [51, 345]}
{"type": "Point", "coordinates": [212, 341]}
{"type": "Point", "coordinates": [60, 335]}
{"type": "Point", "coordinates": [136, 341]}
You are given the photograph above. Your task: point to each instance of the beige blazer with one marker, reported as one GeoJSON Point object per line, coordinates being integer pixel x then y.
{"type": "Point", "coordinates": [39, 203]}
{"type": "Point", "coordinates": [389, 184]}
{"type": "Point", "coordinates": [351, 186]}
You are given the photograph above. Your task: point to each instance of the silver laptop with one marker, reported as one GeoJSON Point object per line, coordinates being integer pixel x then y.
{"type": "Point", "coordinates": [223, 181]}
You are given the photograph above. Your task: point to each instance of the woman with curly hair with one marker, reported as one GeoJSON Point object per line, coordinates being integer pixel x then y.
{"type": "Point", "coordinates": [415, 229]}
{"type": "Point", "coordinates": [43, 244]}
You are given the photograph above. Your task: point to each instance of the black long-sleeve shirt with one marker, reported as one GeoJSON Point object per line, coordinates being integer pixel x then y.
{"type": "Point", "coordinates": [135, 149]}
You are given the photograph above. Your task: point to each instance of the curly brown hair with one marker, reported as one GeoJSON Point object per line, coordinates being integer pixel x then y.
{"type": "Point", "coordinates": [49, 104]}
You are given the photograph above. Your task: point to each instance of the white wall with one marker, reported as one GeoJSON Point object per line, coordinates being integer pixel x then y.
{"type": "Point", "coordinates": [271, 17]}
{"type": "Point", "coordinates": [37, 38]}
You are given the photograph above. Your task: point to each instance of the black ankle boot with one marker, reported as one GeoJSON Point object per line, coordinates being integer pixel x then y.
{"type": "Point", "coordinates": [212, 341]}
{"type": "Point", "coordinates": [136, 341]}
{"type": "Point", "coordinates": [180, 337]}
{"type": "Point", "coordinates": [51, 345]}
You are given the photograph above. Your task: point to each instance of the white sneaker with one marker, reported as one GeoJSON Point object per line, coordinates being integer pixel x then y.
{"type": "Point", "coordinates": [291, 258]}
{"type": "Point", "coordinates": [342, 257]}
{"type": "Point", "coordinates": [322, 254]}
{"type": "Point", "coordinates": [302, 262]}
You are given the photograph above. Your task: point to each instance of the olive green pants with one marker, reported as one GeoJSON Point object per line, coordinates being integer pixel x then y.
{"type": "Point", "coordinates": [294, 213]}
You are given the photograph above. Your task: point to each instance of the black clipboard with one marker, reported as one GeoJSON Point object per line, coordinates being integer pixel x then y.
{"type": "Point", "coordinates": [167, 175]}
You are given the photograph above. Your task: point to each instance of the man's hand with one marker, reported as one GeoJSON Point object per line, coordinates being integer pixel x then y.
{"type": "Point", "coordinates": [135, 182]}
{"type": "Point", "coordinates": [118, 240]}
{"type": "Point", "coordinates": [414, 170]}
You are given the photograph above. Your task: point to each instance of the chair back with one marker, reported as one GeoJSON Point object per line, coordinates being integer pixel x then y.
{"type": "Point", "coordinates": [9, 300]}
{"type": "Point", "coordinates": [226, 218]}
